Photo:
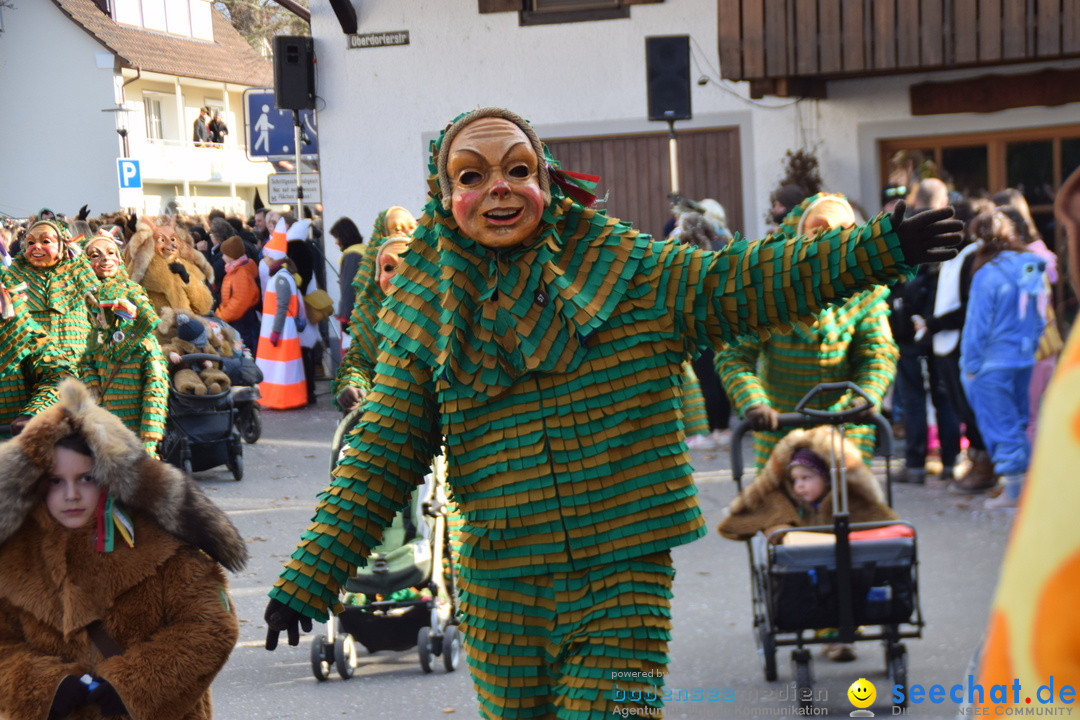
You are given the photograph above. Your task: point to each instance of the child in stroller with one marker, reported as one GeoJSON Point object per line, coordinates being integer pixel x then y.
{"type": "Point", "coordinates": [795, 490]}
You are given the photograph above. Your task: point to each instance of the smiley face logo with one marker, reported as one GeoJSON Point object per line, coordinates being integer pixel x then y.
{"type": "Point", "coordinates": [862, 693]}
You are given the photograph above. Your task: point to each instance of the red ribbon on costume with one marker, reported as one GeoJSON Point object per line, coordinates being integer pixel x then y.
{"type": "Point", "coordinates": [99, 541]}
{"type": "Point", "coordinates": [578, 186]}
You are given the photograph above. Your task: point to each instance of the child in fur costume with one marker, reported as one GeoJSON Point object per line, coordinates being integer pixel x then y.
{"type": "Point", "coordinates": [194, 335]}
{"type": "Point", "coordinates": [55, 278]}
{"type": "Point", "coordinates": [112, 600]}
{"type": "Point", "coordinates": [542, 341]}
{"type": "Point", "coordinates": [123, 365]}
{"type": "Point", "coordinates": [174, 274]}
{"type": "Point", "coordinates": [795, 490]}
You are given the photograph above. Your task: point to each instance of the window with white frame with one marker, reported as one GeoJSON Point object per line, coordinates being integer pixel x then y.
{"type": "Point", "coordinates": [152, 111]}
{"type": "Point", "coordinates": [189, 18]}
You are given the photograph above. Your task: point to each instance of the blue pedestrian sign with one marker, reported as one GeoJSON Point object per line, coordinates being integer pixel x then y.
{"type": "Point", "coordinates": [129, 173]}
{"type": "Point", "coordinates": [270, 131]}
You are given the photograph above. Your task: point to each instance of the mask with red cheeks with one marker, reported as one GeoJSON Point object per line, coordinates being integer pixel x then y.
{"type": "Point", "coordinates": [496, 198]}
{"type": "Point", "coordinates": [42, 247]}
{"type": "Point", "coordinates": [388, 260]}
{"type": "Point", "coordinates": [104, 258]}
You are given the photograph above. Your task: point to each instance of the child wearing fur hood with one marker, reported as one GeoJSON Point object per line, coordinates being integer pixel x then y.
{"type": "Point", "coordinates": [112, 599]}
{"type": "Point", "coordinates": [774, 500]}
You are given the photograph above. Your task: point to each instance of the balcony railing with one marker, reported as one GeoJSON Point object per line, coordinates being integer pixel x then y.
{"type": "Point", "coordinates": [174, 161]}
{"type": "Point", "coordinates": [791, 47]}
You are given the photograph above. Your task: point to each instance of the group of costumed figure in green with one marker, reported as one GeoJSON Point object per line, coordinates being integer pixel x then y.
{"type": "Point", "coordinates": [539, 344]}
{"type": "Point", "coordinates": [69, 308]}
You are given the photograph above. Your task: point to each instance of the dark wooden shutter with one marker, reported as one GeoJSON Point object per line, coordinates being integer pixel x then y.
{"type": "Point", "coordinates": [494, 6]}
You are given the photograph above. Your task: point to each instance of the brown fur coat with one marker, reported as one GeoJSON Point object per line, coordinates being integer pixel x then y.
{"type": "Point", "coordinates": [164, 287]}
{"type": "Point", "coordinates": [769, 500]}
{"type": "Point", "coordinates": [164, 602]}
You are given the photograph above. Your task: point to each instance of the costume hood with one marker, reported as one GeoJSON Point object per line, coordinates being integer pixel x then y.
{"type": "Point", "coordinates": [122, 468]}
{"type": "Point", "coordinates": [769, 501]}
{"type": "Point", "coordinates": [487, 317]}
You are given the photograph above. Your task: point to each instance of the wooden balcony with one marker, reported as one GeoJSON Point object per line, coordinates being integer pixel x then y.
{"type": "Point", "coordinates": [792, 47]}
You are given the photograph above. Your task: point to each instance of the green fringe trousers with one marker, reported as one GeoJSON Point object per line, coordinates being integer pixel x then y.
{"type": "Point", "coordinates": [570, 645]}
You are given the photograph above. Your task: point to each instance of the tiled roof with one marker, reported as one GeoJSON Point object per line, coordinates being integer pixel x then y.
{"type": "Point", "coordinates": [228, 59]}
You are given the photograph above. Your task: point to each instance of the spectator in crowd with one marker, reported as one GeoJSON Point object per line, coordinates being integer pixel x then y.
{"type": "Point", "coordinates": [200, 132]}
{"type": "Point", "coordinates": [240, 294]}
{"type": "Point", "coordinates": [351, 244]}
{"type": "Point", "coordinates": [1006, 316]}
{"type": "Point", "coordinates": [218, 130]}
{"type": "Point", "coordinates": [911, 303]}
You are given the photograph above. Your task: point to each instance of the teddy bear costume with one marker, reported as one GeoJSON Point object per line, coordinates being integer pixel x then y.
{"type": "Point", "coordinates": [770, 501]}
{"type": "Point", "coordinates": [552, 370]}
{"type": "Point", "coordinates": [178, 281]}
{"type": "Point", "coordinates": [164, 602]}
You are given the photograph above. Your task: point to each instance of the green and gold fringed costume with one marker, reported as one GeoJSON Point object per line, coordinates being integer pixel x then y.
{"type": "Point", "coordinates": [851, 341]}
{"type": "Point", "coordinates": [552, 370]}
{"type": "Point", "coordinates": [695, 417]}
{"type": "Point", "coordinates": [31, 363]}
{"type": "Point", "coordinates": [358, 365]}
{"type": "Point", "coordinates": [123, 365]}
{"type": "Point", "coordinates": [55, 297]}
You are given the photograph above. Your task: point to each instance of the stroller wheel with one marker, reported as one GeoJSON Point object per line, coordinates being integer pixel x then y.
{"type": "Point", "coordinates": [235, 463]}
{"type": "Point", "coordinates": [249, 423]}
{"type": "Point", "coordinates": [345, 655]}
{"type": "Point", "coordinates": [423, 646]}
{"type": "Point", "coordinates": [896, 666]}
{"type": "Point", "coordinates": [320, 664]}
{"type": "Point", "coordinates": [767, 648]}
{"type": "Point", "coordinates": [804, 681]}
{"type": "Point", "coordinates": [451, 648]}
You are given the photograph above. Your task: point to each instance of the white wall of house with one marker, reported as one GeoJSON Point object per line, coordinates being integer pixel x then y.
{"type": "Point", "coordinates": [379, 107]}
{"type": "Point", "coordinates": [57, 148]}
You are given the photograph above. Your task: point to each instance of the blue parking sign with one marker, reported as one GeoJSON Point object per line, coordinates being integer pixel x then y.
{"type": "Point", "coordinates": [270, 130]}
{"type": "Point", "coordinates": [129, 173]}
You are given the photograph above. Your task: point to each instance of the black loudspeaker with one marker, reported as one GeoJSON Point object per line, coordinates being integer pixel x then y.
{"type": "Point", "coordinates": [667, 72]}
{"type": "Point", "coordinates": [294, 72]}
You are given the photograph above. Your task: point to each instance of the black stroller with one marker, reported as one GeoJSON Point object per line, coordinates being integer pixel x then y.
{"type": "Point", "coordinates": [866, 589]}
{"type": "Point", "coordinates": [406, 593]}
{"type": "Point", "coordinates": [199, 429]}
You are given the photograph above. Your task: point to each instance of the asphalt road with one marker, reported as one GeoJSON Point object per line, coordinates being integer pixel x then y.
{"type": "Point", "coordinates": [713, 651]}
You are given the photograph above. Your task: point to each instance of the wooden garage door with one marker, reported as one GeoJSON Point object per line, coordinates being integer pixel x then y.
{"type": "Point", "coordinates": [635, 172]}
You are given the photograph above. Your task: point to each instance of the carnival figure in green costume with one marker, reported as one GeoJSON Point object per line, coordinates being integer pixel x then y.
{"type": "Point", "coordinates": [542, 342]}
{"type": "Point", "coordinates": [846, 342]}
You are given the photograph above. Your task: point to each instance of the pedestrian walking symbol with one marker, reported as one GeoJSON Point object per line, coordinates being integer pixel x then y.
{"type": "Point", "coordinates": [270, 133]}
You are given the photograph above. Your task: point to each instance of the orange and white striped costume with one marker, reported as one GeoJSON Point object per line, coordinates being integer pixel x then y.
{"type": "Point", "coordinates": [283, 386]}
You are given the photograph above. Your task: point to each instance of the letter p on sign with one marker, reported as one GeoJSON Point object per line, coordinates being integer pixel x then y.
{"type": "Point", "coordinates": [129, 174]}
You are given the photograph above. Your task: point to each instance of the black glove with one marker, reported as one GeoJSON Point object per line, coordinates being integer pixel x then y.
{"type": "Point", "coordinates": [70, 695]}
{"type": "Point", "coordinates": [280, 617]}
{"type": "Point", "coordinates": [865, 414]}
{"type": "Point", "coordinates": [133, 222]}
{"type": "Point", "coordinates": [84, 212]}
{"type": "Point", "coordinates": [180, 270]}
{"type": "Point", "coordinates": [106, 698]}
{"type": "Point", "coordinates": [929, 236]}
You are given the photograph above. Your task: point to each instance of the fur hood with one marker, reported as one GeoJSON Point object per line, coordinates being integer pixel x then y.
{"type": "Point", "coordinates": [769, 500]}
{"type": "Point", "coordinates": [121, 467]}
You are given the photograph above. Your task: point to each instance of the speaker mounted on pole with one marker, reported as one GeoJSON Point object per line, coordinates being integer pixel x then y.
{"type": "Point", "coordinates": [294, 72]}
{"type": "Point", "coordinates": [667, 71]}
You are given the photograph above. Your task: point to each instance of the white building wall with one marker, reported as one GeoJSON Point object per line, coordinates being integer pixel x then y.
{"type": "Point", "coordinates": [379, 107]}
{"type": "Point", "coordinates": [58, 149]}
